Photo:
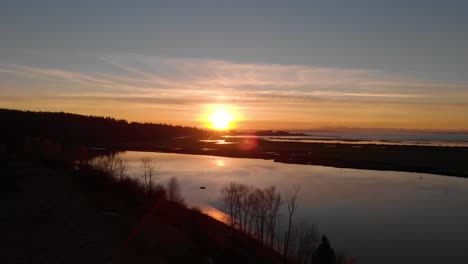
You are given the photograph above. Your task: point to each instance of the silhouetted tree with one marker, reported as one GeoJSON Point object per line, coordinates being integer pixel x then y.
{"type": "Point", "coordinates": [148, 173]}
{"type": "Point", "coordinates": [244, 206]}
{"type": "Point", "coordinates": [73, 129]}
{"type": "Point", "coordinates": [307, 241]}
{"type": "Point", "coordinates": [113, 164]}
{"type": "Point", "coordinates": [324, 253]}
{"type": "Point", "coordinates": [120, 168]}
{"type": "Point", "coordinates": [291, 202]}
{"type": "Point", "coordinates": [272, 202]}
{"type": "Point", "coordinates": [173, 191]}
{"type": "Point", "coordinates": [258, 213]}
{"type": "Point", "coordinates": [228, 194]}
{"type": "Point", "coordinates": [253, 210]}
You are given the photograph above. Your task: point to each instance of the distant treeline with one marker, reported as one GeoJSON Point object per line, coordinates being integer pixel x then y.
{"type": "Point", "coordinates": [74, 129]}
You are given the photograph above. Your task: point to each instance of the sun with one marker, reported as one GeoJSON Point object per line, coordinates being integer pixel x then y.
{"type": "Point", "coordinates": [220, 119]}
{"type": "Point", "coordinates": [220, 116]}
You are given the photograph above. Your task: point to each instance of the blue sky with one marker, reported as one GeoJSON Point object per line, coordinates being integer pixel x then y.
{"type": "Point", "coordinates": [323, 63]}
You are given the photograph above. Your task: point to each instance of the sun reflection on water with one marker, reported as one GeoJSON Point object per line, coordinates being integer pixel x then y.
{"type": "Point", "coordinates": [216, 214]}
{"type": "Point", "coordinates": [220, 162]}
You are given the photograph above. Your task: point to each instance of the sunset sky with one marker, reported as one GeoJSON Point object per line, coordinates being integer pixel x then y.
{"type": "Point", "coordinates": [271, 64]}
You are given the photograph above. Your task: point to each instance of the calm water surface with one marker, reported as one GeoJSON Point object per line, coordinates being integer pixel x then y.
{"type": "Point", "coordinates": [376, 216]}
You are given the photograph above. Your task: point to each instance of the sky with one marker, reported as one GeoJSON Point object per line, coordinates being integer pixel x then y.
{"type": "Point", "coordinates": [272, 64]}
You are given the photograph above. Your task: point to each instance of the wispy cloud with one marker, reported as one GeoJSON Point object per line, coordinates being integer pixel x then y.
{"type": "Point", "coordinates": [176, 83]}
{"type": "Point", "coordinates": [153, 74]}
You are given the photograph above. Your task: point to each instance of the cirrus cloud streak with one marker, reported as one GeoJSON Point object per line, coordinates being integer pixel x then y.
{"type": "Point", "coordinates": [179, 88]}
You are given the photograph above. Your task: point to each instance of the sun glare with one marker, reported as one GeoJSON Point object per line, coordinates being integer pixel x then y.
{"type": "Point", "coordinates": [220, 119]}
{"type": "Point", "coordinates": [220, 116]}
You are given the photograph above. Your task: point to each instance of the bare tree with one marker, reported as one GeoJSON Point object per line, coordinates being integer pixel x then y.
{"type": "Point", "coordinates": [245, 205]}
{"type": "Point", "coordinates": [255, 211]}
{"type": "Point", "coordinates": [148, 173]}
{"type": "Point", "coordinates": [101, 163]}
{"type": "Point", "coordinates": [173, 191]}
{"type": "Point", "coordinates": [272, 202]}
{"type": "Point", "coordinates": [291, 202]}
{"type": "Point", "coordinates": [229, 199]}
{"type": "Point", "coordinates": [113, 165]}
{"type": "Point", "coordinates": [121, 168]}
{"type": "Point", "coordinates": [308, 238]}
{"type": "Point", "coordinates": [259, 213]}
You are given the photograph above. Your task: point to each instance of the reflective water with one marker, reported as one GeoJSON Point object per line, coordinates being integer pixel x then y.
{"type": "Point", "coordinates": [376, 216]}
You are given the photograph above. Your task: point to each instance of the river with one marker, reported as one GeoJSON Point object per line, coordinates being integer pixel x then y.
{"type": "Point", "coordinates": [375, 216]}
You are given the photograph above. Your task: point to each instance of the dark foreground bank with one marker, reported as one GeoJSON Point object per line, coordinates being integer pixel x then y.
{"type": "Point", "coordinates": [57, 214]}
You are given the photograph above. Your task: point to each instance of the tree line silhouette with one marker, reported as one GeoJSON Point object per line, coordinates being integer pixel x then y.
{"type": "Point", "coordinates": [74, 129]}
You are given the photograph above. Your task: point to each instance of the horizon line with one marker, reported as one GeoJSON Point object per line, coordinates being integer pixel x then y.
{"type": "Point", "coordinates": [318, 129]}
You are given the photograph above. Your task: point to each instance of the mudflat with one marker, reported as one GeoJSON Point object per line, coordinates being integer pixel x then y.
{"type": "Point", "coordinates": [451, 161]}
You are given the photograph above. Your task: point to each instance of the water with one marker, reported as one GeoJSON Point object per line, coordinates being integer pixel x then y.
{"type": "Point", "coordinates": [384, 138]}
{"type": "Point", "coordinates": [375, 216]}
